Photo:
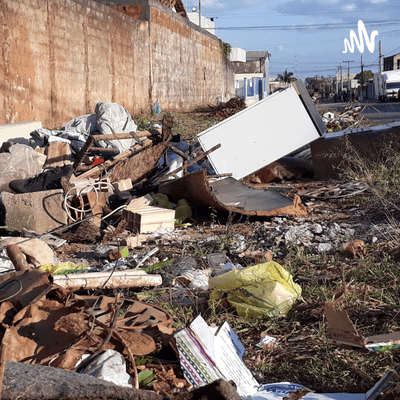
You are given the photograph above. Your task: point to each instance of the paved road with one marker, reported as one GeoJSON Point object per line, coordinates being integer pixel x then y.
{"type": "Point", "coordinates": [377, 113]}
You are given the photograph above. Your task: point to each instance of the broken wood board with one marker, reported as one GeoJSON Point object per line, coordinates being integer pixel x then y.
{"type": "Point", "coordinates": [58, 154]}
{"type": "Point", "coordinates": [117, 280]}
{"type": "Point", "coordinates": [260, 134]}
{"type": "Point", "coordinates": [139, 165]}
{"type": "Point", "coordinates": [228, 194]}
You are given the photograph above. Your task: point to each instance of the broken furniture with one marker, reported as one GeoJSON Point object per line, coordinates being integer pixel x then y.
{"type": "Point", "coordinates": [136, 163]}
{"type": "Point", "coordinates": [264, 132]}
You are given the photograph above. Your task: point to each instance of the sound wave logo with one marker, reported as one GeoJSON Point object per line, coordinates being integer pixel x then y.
{"type": "Point", "coordinates": [362, 35]}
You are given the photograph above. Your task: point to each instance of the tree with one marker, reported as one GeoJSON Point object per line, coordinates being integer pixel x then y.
{"type": "Point", "coordinates": [367, 76]}
{"type": "Point", "coordinates": [315, 84]}
{"type": "Point", "coordinates": [286, 77]}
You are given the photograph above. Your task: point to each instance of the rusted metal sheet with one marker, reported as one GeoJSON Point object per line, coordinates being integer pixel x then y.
{"type": "Point", "coordinates": [231, 195]}
{"type": "Point", "coordinates": [24, 288]}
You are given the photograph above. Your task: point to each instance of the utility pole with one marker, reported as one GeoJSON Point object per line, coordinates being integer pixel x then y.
{"type": "Point", "coordinates": [380, 57]}
{"type": "Point", "coordinates": [337, 81]}
{"type": "Point", "coordinates": [341, 78]}
{"type": "Point", "coordinates": [348, 74]}
{"type": "Point", "coordinates": [362, 78]}
{"type": "Point", "coordinates": [200, 13]}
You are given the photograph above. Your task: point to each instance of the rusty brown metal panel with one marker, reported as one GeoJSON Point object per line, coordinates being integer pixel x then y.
{"type": "Point", "coordinates": [231, 195]}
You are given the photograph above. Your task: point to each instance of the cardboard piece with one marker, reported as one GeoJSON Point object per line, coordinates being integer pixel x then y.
{"type": "Point", "coordinates": [206, 356]}
{"type": "Point", "coordinates": [343, 331]}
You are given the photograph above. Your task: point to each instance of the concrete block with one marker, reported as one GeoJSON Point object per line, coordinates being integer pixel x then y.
{"type": "Point", "coordinates": [18, 132]}
{"type": "Point", "coordinates": [38, 211]}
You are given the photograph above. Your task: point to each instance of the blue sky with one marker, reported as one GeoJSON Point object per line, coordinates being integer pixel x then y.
{"type": "Point", "coordinates": [306, 36]}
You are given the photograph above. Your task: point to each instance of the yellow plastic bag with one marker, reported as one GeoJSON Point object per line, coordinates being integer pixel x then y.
{"type": "Point", "coordinates": [259, 291]}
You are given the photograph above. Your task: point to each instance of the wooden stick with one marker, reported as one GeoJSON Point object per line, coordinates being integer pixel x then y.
{"type": "Point", "coordinates": [177, 151]}
{"type": "Point", "coordinates": [119, 136]}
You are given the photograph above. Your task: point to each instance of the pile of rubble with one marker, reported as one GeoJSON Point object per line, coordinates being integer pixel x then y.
{"type": "Point", "coordinates": [90, 211]}
{"type": "Point", "coordinates": [349, 117]}
{"type": "Point", "coordinates": [224, 110]}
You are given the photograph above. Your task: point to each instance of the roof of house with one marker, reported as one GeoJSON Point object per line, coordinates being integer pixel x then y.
{"type": "Point", "coordinates": [178, 4]}
{"type": "Point", "coordinates": [256, 55]}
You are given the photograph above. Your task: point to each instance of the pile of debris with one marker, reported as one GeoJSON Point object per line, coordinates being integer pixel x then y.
{"type": "Point", "coordinates": [349, 117]}
{"type": "Point", "coordinates": [119, 196]}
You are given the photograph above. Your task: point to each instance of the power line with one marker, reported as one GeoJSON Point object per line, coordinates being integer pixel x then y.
{"type": "Point", "coordinates": [310, 12]}
{"type": "Point", "coordinates": [308, 26]}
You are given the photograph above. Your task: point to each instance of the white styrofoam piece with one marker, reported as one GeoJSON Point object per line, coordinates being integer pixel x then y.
{"type": "Point", "coordinates": [19, 132]}
{"type": "Point", "coordinates": [259, 135]}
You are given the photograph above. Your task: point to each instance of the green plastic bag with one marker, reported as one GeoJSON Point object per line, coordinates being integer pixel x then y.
{"type": "Point", "coordinates": [259, 291]}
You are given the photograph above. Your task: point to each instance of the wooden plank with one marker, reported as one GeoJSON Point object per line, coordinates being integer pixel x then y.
{"type": "Point", "coordinates": [58, 154]}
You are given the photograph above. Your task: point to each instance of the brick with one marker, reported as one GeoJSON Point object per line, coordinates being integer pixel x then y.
{"type": "Point", "coordinates": [149, 219]}
{"type": "Point", "coordinates": [39, 211]}
{"type": "Point", "coordinates": [122, 185]}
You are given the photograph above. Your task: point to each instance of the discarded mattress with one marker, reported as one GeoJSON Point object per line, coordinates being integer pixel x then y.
{"type": "Point", "coordinates": [231, 195]}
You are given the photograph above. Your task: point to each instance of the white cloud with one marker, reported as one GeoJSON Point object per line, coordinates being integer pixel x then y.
{"type": "Point", "coordinates": [349, 7]}
{"type": "Point", "coordinates": [378, 1]}
{"type": "Point", "coordinates": [215, 4]}
{"type": "Point", "coordinates": [280, 48]}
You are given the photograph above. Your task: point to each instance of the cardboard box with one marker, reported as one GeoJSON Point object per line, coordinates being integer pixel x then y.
{"type": "Point", "coordinates": [342, 330]}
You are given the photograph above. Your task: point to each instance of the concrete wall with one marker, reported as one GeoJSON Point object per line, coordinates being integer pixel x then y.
{"type": "Point", "coordinates": [61, 57]}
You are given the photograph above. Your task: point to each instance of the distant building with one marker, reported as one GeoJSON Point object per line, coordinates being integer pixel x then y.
{"type": "Point", "coordinates": [255, 63]}
{"type": "Point", "coordinates": [249, 65]}
{"type": "Point", "coordinates": [206, 24]}
{"type": "Point", "coordinates": [392, 62]}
